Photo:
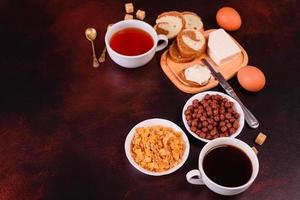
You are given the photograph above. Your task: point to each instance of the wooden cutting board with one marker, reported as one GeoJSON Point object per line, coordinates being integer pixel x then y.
{"type": "Point", "coordinates": [174, 70]}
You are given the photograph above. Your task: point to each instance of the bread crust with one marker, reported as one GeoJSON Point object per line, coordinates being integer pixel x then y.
{"type": "Point", "coordinates": [176, 56]}
{"type": "Point", "coordinates": [166, 32]}
{"type": "Point", "coordinates": [184, 49]}
{"type": "Point", "coordinates": [197, 16]}
{"type": "Point", "coordinates": [160, 30]}
{"type": "Point", "coordinates": [171, 13]}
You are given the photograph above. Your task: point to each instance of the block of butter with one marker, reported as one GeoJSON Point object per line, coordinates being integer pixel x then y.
{"type": "Point", "coordinates": [221, 46]}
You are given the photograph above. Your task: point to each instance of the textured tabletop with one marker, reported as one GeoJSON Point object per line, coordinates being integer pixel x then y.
{"type": "Point", "coordinates": [63, 123]}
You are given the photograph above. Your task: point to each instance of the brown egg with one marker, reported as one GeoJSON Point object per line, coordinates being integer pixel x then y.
{"type": "Point", "coordinates": [251, 78]}
{"type": "Point", "coordinates": [229, 19]}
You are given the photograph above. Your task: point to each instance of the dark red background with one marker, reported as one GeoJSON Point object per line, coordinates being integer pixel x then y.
{"type": "Point", "coordinates": [63, 123]}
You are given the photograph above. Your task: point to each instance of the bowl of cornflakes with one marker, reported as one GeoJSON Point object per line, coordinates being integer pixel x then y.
{"type": "Point", "coordinates": [157, 147]}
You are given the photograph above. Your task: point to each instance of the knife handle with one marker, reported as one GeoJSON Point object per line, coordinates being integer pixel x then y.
{"type": "Point", "coordinates": [249, 117]}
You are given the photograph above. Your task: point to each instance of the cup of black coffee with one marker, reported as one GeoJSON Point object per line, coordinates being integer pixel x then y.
{"type": "Point", "coordinates": [227, 166]}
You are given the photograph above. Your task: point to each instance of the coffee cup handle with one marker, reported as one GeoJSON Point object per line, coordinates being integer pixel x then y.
{"type": "Point", "coordinates": [163, 44]}
{"type": "Point", "coordinates": [191, 177]}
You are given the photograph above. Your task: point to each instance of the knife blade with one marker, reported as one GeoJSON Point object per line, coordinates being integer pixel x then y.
{"type": "Point", "coordinates": [249, 117]}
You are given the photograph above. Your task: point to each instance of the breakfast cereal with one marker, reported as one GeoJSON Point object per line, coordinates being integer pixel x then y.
{"type": "Point", "coordinates": [157, 148]}
{"type": "Point", "coordinates": [212, 117]}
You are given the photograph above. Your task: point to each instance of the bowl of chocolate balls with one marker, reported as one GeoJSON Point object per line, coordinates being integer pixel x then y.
{"type": "Point", "coordinates": [210, 115]}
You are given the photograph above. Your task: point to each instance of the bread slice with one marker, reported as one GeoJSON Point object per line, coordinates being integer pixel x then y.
{"type": "Point", "coordinates": [170, 24]}
{"type": "Point", "coordinates": [199, 74]}
{"type": "Point", "coordinates": [192, 21]}
{"type": "Point", "coordinates": [175, 55]}
{"type": "Point", "coordinates": [191, 43]}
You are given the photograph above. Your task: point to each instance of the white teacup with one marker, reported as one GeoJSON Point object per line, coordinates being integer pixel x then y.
{"type": "Point", "coordinates": [138, 60]}
{"type": "Point", "coordinates": [198, 176]}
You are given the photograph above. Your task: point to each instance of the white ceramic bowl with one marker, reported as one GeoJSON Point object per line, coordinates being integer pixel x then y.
{"type": "Point", "coordinates": [200, 96]}
{"type": "Point", "coordinates": [153, 122]}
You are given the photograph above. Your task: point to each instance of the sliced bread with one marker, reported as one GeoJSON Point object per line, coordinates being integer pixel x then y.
{"type": "Point", "coordinates": [169, 24]}
{"type": "Point", "coordinates": [199, 74]}
{"type": "Point", "coordinates": [175, 54]}
{"type": "Point", "coordinates": [192, 21]}
{"type": "Point", "coordinates": [191, 43]}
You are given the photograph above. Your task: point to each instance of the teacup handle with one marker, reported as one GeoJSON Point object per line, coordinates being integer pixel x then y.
{"type": "Point", "coordinates": [190, 177]}
{"type": "Point", "coordinates": [163, 44]}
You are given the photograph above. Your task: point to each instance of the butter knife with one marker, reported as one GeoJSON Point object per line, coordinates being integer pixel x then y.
{"type": "Point", "coordinates": [249, 117]}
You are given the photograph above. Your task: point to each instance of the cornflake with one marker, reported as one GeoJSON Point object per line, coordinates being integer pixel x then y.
{"type": "Point", "coordinates": [157, 148]}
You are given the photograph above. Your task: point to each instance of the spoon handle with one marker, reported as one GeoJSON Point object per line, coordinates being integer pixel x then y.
{"type": "Point", "coordinates": [95, 61]}
{"type": "Point", "coordinates": [102, 56]}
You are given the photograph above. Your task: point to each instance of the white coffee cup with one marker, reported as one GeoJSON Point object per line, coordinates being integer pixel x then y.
{"type": "Point", "coordinates": [198, 176]}
{"type": "Point", "coordinates": [138, 60]}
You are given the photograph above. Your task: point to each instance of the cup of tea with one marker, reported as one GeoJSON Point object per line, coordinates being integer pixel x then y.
{"type": "Point", "coordinates": [133, 43]}
{"type": "Point", "coordinates": [227, 166]}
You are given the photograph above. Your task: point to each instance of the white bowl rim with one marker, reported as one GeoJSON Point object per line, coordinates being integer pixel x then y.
{"type": "Point", "coordinates": [201, 95]}
{"type": "Point", "coordinates": [151, 122]}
